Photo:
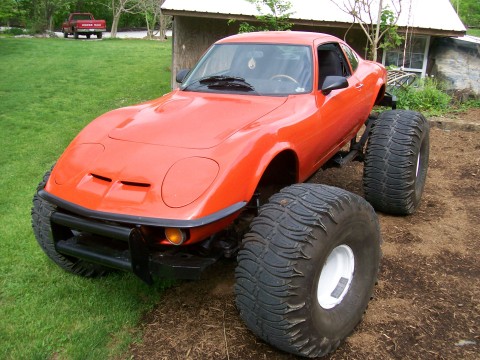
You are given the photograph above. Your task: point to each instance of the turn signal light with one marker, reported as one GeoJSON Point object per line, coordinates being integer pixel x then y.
{"type": "Point", "coordinates": [175, 236]}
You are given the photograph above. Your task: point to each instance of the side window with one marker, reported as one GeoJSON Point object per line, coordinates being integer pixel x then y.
{"type": "Point", "coordinates": [331, 62]}
{"type": "Point", "coordinates": [352, 56]}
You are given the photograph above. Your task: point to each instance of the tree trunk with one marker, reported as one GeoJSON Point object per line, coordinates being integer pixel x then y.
{"type": "Point", "coordinates": [376, 38]}
{"type": "Point", "coordinates": [149, 31]}
{"type": "Point", "coordinates": [50, 23]}
{"type": "Point", "coordinates": [116, 19]}
{"type": "Point", "coordinates": [162, 27]}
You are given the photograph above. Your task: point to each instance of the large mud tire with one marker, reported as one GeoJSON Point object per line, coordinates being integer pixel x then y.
{"type": "Point", "coordinates": [307, 268]}
{"type": "Point", "coordinates": [41, 213]}
{"type": "Point", "coordinates": [396, 162]}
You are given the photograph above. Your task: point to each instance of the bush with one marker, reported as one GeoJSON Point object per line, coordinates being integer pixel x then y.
{"type": "Point", "coordinates": [14, 31]}
{"type": "Point", "coordinates": [427, 95]}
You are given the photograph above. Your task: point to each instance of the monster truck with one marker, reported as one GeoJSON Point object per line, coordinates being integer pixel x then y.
{"type": "Point", "coordinates": [168, 187]}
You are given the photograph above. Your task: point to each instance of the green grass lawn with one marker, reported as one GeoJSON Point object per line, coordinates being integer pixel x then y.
{"type": "Point", "coordinates": [473, 32]}
{"type": "Point", "coordinates": [49, 90]}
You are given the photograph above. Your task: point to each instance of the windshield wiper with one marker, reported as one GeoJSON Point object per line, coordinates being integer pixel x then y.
{"type": "Point", "coordinates": [217, 78]}
{"type": "Point", "coordinates": [231, 85]}
{"type": "Point", "coordinates": [223, 82]}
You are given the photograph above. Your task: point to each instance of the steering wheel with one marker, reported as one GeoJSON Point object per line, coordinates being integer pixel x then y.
{"type": "Point", "coordinates": [283, 76]}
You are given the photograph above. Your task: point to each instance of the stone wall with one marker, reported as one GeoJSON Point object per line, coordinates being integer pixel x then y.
{"type": "Point", "coordinates": [457, 63]}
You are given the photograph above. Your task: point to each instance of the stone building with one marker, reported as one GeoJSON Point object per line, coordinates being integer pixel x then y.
{"type": "Point", "coordinates": [456, 62]}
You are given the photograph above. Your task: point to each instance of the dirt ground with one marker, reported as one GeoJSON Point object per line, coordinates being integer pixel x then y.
{"type": "Point", "coordinates": [426, 304]}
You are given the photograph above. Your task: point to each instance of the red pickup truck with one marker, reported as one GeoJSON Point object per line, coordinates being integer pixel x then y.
{"type": "Point", "coordinates": [83, 24]}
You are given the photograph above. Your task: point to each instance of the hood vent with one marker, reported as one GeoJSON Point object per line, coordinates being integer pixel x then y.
{"type": "Point", "coordinates": [137, 184]}
{"type": "Point", "coordinates": [103, 178]}
{"type": "Point", "coordinates": [127, 183]}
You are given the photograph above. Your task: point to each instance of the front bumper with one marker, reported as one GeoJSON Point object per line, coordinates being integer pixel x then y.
{"type": "Point", "coordinates": [121, 242]}
{"type": "Point", "coordinates": [90, 31]}
{"type": "Point", "coordinates": [140, 220]}
{"type": "Point", "coordinates": [134, 256]}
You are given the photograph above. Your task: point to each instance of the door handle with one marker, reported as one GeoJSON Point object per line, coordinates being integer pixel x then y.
{"type": "Point", "coordinates": [359, 86]}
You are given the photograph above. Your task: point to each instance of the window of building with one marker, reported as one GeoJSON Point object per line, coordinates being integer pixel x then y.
{"type": "Point", "coordinates": [411, 58]}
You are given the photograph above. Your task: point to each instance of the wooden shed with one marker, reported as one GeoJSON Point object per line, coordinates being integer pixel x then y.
{"type": "Point", "coordinates": [199, 23]}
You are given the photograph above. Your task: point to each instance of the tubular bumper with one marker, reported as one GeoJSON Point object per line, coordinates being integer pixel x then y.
{"type": "Point", "coordinates": [134, 255]}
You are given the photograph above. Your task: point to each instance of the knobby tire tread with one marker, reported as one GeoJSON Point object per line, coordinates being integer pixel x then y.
{"type": "Point", "coordinates": [41, 213]}
{"type": "Point", "coordinates": [389, 180]}
{"type": "Point", "coordinates": [268, 295]}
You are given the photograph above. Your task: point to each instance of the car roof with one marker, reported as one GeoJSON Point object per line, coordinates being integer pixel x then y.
{"type": "Point", "coordinates": [286, 37]}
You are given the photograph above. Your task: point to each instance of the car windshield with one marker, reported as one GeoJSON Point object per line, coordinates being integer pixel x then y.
{"type": "Point", "coordinates": [256, 69]}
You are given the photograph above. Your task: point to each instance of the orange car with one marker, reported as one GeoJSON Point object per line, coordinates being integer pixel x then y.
{"type": "Point", "coordinates": [167, 187]}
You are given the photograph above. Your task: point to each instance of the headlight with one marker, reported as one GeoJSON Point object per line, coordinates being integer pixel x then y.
{"type": "Point", "coordinates": [187, 180]}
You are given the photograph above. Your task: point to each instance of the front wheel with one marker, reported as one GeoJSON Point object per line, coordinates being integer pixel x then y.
{"type": "Point", "coordinates": [99, 35]}
{"type": "Point", "coordinates": [42, 228]}
{"type": "Point", "coordinates": [307, 268]}
{"type": "Point", "coordinates": [65, 34]}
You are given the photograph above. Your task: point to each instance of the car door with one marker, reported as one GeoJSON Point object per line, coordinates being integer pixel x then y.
{"type": "Point", "coordinates": [340, 112]}
{"type": "Point", "coordinates": [360, 74]}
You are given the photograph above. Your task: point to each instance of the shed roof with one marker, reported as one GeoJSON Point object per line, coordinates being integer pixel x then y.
{"type": "Point", "coordinates": [433, 16]}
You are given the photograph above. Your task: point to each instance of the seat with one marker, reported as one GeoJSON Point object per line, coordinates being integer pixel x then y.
{"type": "Point", "coordinates": [329, 65]}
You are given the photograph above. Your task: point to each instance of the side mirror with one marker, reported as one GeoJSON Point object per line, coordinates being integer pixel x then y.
{"type": "Point", "coordinates": [334, 83]}
{"type": "Point", "coordinates": [181, 75]}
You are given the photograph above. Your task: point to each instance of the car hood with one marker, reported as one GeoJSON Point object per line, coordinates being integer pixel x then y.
{"type": "Point", "coordinates": [193, 120]}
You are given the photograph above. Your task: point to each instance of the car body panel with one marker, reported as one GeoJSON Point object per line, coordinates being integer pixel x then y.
{"type": "Point", "coordinates": [191, 154]}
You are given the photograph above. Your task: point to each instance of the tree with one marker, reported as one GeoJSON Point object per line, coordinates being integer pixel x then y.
{"type": "Point", "coordinates": [277, 18]}
{"type": "Point", "coordinates": [50, 7]}
{"type": "Point", "coordinates": [152, 10]}
{"type": "Point", "coordinates": [376, 19]}
{"type": "Point", "coordinates": [119, 7]}
{"type": "Point", "coordinates": [40, 13]}
{"type": "Point", "coordinates": [469, 11]}
{"type": "Point", "coordinates": [7, 11]}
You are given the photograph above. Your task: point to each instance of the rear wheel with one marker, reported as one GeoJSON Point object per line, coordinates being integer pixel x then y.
{"type": "Point", "coordinates": [307, 268]}
{"type": "Point", "coordinates": [41, 213]}
{"type": "Point", "coordinates": [88, 36]}
{"type": "Point", "coordinates": [75, 35]}
{"type": "Point", "coordinates": [65, 34]}
{"type": "Point", "coordinates": [396, 162]}
{"type": "Point", "coordinates": [99, 35]}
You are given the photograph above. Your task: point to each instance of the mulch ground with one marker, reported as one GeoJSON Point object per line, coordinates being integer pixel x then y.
{"type": "Point", "coordinates": [426, 304]}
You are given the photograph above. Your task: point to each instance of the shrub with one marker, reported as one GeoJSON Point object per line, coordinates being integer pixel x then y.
{"type": "Point", "coordinates": [14, 31]}
{"type": "Point", "coordinates": [427, 95]}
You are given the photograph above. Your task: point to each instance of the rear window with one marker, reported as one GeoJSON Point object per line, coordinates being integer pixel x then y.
{"type": "Point", "coordinates": [352, 56]}
{"type": "Point", "coordinates": [81, 17]}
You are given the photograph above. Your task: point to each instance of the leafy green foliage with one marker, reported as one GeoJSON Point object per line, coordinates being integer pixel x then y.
{"type": "Point", "coordinates": [391, 38]}
{"type": "Point", "coordinates": [469, 11]}
{"type": "Point", "coordinates": [13, 31]}
{"type": "Point", "coordinates": [52, 89]}
{"type": "Point", "coordinates": [7, 10]}
{"type": "Point", "coordinates": [276, 20]}
{"type": "Point", "coordinates": [427, 96]}
{"type": "Point", "coordinates": [38, 15]}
